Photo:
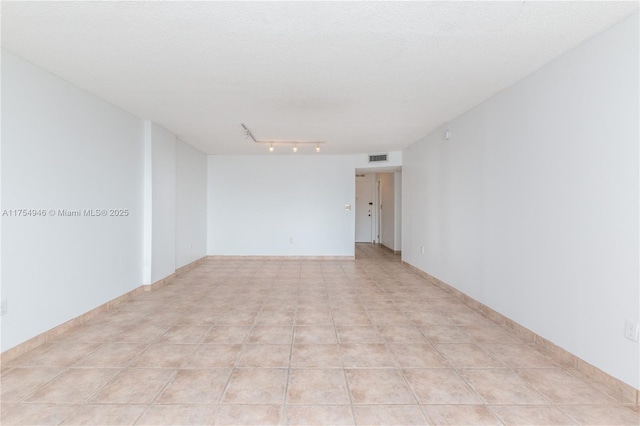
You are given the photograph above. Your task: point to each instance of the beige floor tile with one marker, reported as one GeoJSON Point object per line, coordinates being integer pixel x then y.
{"type": "Point", "coordinates": [275, 318]}
{"type": "Point", "coordinates": [520, 356]}
{"type": "Point", "coordinates": [237, 318]}
{"type": "Point", "coordinates": [199, 318]}
{"type": "Point", "coordinates": [142, 333]}
{"type": "Point", "coordinates": [195, 387]}
{"type": "Point", "coordinates": [36, 414]}
{"type": "Point", "coordinates": [112, 355]}
{"type": "Point", "coordinates": [389, 415]}
{"type": "Point", "coordinates": [351, 317]}
{"type": "Point", "coordinates": [502, 386]}
{"type": "Point", "coordinates": [389, 317]}
{"type": "Point", "coordinates": [320, 317]}
{"type": "Point", "coordinates": [440, 386]}
{"type": "Point", "coordinates": [5, 407]}
{"type": "Point", "coordinates": [256, 386]}
{"type": "Point", "coordinates": [467, 355]}
{"type": "Point", "coordinates": [402, 334]}
{"type": "Point", "coordinates": [466, 316]}
{"type": "Point", "coordinates": [316, 356]}
{"type": "Point", "coordinates": [167, 317]}
{"type": "Point", "coordinates": [271, 335]}
{"type": "Point", "coordinates": [375, 386]}
{"type": "Point", "coordinates": [95, 332]}
{"type": "Point", "coordinates": [417, 355]}
{"type": "Point", "coordinates": [265, 356]}
{"type": "Point", "coordinates": [257, 415]}
{"type": "Point", "coordinates": [227, 335]}
{"type": "Point", "coordinates": [18, 383]}
{"type": "Point", "coordinates": [601, 414]}
{"type": "Point", "coordinates": [563, 388]}
{"type": "Point", "coordinates": [313, 334]}
{"type": "Point", "coordinates": [336, 341]}
{"type": "Point", "coordinates": [430, 317]}
{"type": "Point", "coordinates": [127, 313]}
{"type": "Point", "coordinates": [490, 334]}
{"type": "Point", "coordinates": [320, 415]}
{"type": "Point", "coordinates": [445, 334]}
{"type": "Point", "coordinates": [134, 386]}
{"type": "Point", "coordinates": [460, 415]}
{"type": "Point", "coordinates": [164, 355]}
{"type": "Point", "coordinates": [359, 334]}
{"type": "Point", "coordinates": [543, 415]}
{"type": "Point", "coordinates": [177, 415]}
{"type": "Point", "coordinates": [101, 415]}
{"type": "Point", "coordinates": [317, 386]}
{"type": "Point", "coordinates": [213, 356]}
{"type": "Point", "coordinates": [63, 354]}
{"type": "Point", "coordinates": [74, 386]}
{"type": "Point", "coordinates": [371, 355]}
{"type": "Point", "coordinates": [184, 334]}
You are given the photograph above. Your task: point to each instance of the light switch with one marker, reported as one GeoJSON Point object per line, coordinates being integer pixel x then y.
{"type": "Point", "coordinates": [347, 207]}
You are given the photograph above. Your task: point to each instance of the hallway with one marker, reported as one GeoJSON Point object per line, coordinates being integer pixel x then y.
{"type": "Point", "coordinates": [298, 342]}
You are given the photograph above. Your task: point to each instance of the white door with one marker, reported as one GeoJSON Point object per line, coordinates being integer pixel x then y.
{"type": "Point", "coordinates": [364, 209]}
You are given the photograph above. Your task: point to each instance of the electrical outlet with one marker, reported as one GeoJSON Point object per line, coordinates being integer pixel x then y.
{"type": "Point", "coordinates": [631, 330]}
{"type": "Point", "coordinates": [4, 307]}
{"type": "Point", "coordinates": [422, 249]}
{"type": "Point", "coordinates": [290, 240]}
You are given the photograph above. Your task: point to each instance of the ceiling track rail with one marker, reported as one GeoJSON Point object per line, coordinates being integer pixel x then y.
{"type": "Point", "coordinates": [249, 134]}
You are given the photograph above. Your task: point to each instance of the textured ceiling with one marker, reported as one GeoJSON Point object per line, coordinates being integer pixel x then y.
{"type": "Point", "coordinates": [363, 76]}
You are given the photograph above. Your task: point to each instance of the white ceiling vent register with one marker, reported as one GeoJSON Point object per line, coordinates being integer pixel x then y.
{"type": "Point", "coordinates": [375, 158]}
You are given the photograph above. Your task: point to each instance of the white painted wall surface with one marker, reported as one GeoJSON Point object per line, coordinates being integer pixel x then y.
{"type": "Point", "coordinates": [63, 148]}
{"type": "Point", "coordinates": [191, 204]}
{"type": "Point", "coordinates": [256, 204]}
{"type": "Point", "coordinates": [532, 206]}
{"type": "Point", "coordinates": [397, 192]}
{"type": "Point", "coordinates": [163, 204]}
{"type": "Point", "coordinates": [387, 208]}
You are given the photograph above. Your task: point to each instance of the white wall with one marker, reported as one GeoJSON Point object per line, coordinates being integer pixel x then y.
{"type": "Point", "coordinates": [387, 217]}
{"type": "Point", "coordinates": [65, 149]}
{"type": "Point", "coordinates": [391, 221]}
{"type": "Point", "coordinates": [191, 204]}
{"type": "Point", "coordinates": [256, 204]}
{"type": "Point", "coordinates": [397, 201]}
{"type": "Point", "coordinates": [160, 203]}
{"type": "Point", "coordinates": [532, 206]}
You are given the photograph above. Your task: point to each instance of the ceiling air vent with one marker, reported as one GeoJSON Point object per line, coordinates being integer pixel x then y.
{"type": "Point", "coordinates": [378, 157]}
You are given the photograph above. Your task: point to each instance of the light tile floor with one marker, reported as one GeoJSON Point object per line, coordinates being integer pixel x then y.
{"type": "Point", "coordinates": [298, 342]}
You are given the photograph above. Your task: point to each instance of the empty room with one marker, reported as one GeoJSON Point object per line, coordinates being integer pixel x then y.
{"type": "Point", "coordinates": [320, 213]}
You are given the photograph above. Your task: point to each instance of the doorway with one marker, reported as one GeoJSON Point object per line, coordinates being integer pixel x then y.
{"type": "Point", "coordinates": [364, 208]}
{"type": "Point", "coordinates": [378, 207]}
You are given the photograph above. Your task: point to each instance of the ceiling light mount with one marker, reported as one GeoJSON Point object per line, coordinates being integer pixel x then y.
{"type": "Point", "coordinates": [293, 144]}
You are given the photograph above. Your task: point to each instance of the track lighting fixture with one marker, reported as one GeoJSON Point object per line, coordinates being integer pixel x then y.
{"type": "Point", "coordinates": [248, 134]}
